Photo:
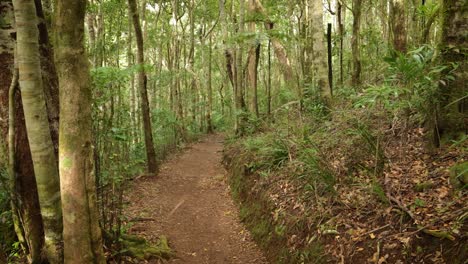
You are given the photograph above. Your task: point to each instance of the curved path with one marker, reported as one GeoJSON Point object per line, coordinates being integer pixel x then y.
{"type": "Point", "coordinates": [189, 202]}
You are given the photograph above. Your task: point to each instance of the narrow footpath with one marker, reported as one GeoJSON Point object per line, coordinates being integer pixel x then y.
{"type": "Point", "coordinates": [189, 202]}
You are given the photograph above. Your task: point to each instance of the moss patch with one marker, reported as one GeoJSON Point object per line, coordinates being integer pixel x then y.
{"type": "Point", "coordinates": [141, 249]}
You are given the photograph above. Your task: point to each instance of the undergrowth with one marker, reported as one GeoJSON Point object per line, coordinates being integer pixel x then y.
{"type": "Point", "coordinates": [313, 187]}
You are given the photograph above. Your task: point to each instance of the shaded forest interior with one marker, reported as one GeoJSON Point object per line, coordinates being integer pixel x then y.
{"type": "Point", "coordinates": [345, 123]}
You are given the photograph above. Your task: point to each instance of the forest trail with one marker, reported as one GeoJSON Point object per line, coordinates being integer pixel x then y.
{"type": "Point", "coordinates": [189, 202]}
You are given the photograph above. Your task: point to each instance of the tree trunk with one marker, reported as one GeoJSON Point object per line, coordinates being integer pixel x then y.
{"type": "Point", "coordinates": [269, 80]}
{"type": "Point", "coordinates": [330, 57]}
{"type": "Point", "coordinates": [142, 85]}
{"type": "Point", "coordinates": [25, 182]}
{"type": "Point", "coordinates": [454, 102]}
{"type": "Point", "coordinates": [278, 48]}
{"type": "Point", "coordinates": [210, 88]}
{"type": "Point", "coordinates": [355, 42]}
{"type": "Point", "coordinates": [37, 126]}
{"type": "Point", "coordinates": [81, 231]}
{"type": "Point", "coordinates": [399, 25]}
{"type": "Point", "coordinates": [253, 60]}
{"type": "Point", "coordinates": [317, 51]}
{"type": "Point", "coordinates": [341, 35]}
{"type": "Point", "coordinates": [239, 73]}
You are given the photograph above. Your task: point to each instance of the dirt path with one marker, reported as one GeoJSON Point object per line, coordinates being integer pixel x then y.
{"type": "Point", "coordinates": [189, 202]}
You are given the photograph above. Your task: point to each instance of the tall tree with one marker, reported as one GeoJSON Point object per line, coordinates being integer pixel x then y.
{"type": "Point", "coordinates": [209, 111]}
{"type": "Point", "coordinates": [317, 52]}
{"type": "Point", "coordinates": [142, 86]}
{"type": "Point", "coordinates": [454, 47]}
{"type": "Point", "coordinates": [399, 25]}
{"type": "Point", "coordinates": [37, 126]}
{"type": "Point", "coordinates": [253, 60]}
{"type": "Point", "coordinates": [355, 42]}
{"type": "Point", "coordinates": [25, 187]}
{"type": "Point", "coordinates": [339, 18]}
{"type": "Point", "coordinates": [81, 232]}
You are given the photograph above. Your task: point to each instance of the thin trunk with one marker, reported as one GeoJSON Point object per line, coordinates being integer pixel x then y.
{"type": "Point", "coordinates": [239, 73]}
{"type": "Point", "coordinates": [142, 85]}
{"type": "Point", "coordinates": [193, 83]}
{"type": "Point", "coordinates": [341, 35]}
{"type": "Point", "coordinates": [355, 44]}
{"type": "Point", "coordinates": [81, 232]}
{"type": "Point", "coordinates": [330, 57]}
{"type": "Point", "coordinates": [37, 126]}
{"type": "Point", "coordinates": [210, 88]}
{"type": "Point", "coordinates": [15, 212]}
{"type": "Point", "coordinates": [269, 80]}
{"type": "Point", "coordinates": [253, 60]}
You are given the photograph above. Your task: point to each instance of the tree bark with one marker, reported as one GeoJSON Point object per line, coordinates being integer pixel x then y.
{"type": "Point", "coordinates": [25, 182]}
{"type": "Point", "coordinates": [341, 35]}
{"type": "Point", "coordinates": [454, 47]}
{"type": "Point", "coordinates": [253, 60]}
{"type": "Point", "coordinates": [239, 72]}
{"type": "Point", "coordinates": [142, 85]}
{"type": "Point", "coordinates": [399, 25]}
{"type": "Point", "coordinates": [355, 44]}
{"type": "Point", "coordinates": [317, 52]}
{"type": "Point", "coordinates": [330, 57]}
{"type": "Point", "coordinates": [210, 88]}
{"type": "Point", "coordinates": [81, 231]}
{"type": "Point", "coordinates": [278, 48]}
{"type": "Point", "coordinates": [37, 127]}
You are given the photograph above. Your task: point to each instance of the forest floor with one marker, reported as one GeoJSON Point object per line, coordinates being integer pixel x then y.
{"type": "Point", "coordinates": [190, 203]}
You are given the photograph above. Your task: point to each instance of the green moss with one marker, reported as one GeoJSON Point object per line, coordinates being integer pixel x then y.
{"type": "Point", "coordinates": [141, 249]}
{"type": "Point", "coordinates": [66, 163]}
{"type": "Point", "coordinates": [459, 175]}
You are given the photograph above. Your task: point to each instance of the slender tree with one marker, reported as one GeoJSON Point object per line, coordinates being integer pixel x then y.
{"type": "Point", "coordinates": [81, 231]}
{"type": "Point", "coordinates": [142, 86]}
{"type": "Point", "coordinates": [355, 42]}
{"type": "Point", "coordinates": [209, 121]}
{"type": "Point", "coordinates": [253, 61]}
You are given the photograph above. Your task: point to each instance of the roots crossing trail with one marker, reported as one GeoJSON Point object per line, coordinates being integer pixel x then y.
{"type": "Point", "coordinates": [189, 202]}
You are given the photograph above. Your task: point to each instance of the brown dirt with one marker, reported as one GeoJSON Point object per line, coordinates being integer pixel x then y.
{"type": "Point", "coordinates": [189, 202]}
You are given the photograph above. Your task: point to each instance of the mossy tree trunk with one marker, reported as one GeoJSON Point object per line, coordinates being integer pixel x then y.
{"type": "Point", "coordinates": [23, 179]}
{"type": "Point", "coordinates": [81, 231]}
{"type": "Point", "coordinates": [37, 126]}
{"type": "Point", "coordinates": [453, 116]}
{"type": "Point", "coordinates": [142, 86]}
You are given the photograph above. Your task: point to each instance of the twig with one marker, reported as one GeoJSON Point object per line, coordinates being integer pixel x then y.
{"type": "Point", "coordinates": [401, 206]}
{"type": "Point", "coordinates": [176, 207]}
{"type": "Point", "coordinates": [375, 230]}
